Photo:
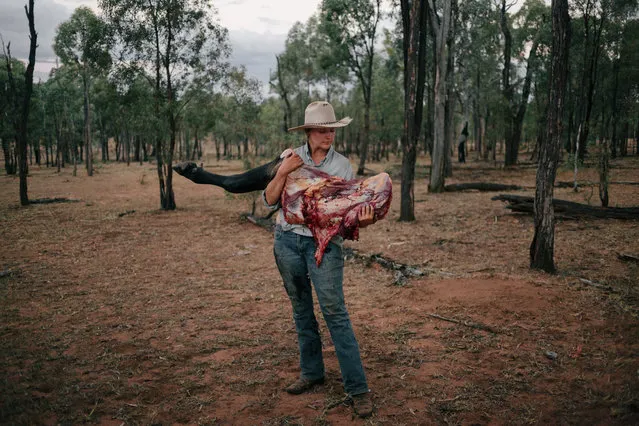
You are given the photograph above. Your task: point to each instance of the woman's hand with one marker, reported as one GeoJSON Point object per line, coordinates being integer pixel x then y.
{"type": "Point", "coordinates": [289, 164]}
{"type": "Point", "coordinates": [366, 216]}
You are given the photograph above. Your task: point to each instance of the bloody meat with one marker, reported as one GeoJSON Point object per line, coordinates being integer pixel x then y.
{"type": "Point", "coordinates": [329, 205]}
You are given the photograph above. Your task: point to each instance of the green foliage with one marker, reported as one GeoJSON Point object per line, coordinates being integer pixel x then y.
{"type": "Point", "coordinates": [85, 41]}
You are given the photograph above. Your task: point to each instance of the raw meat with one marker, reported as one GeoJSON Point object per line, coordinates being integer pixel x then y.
{"type": "Point", "coordinates": [329, 205]}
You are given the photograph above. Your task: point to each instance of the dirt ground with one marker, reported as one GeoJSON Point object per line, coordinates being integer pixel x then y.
{"type": "Point", "coordinates": [114, 312]}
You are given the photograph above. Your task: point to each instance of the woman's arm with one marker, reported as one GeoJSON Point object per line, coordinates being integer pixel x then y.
{"type": "Point", "coordinates": [274, 189]}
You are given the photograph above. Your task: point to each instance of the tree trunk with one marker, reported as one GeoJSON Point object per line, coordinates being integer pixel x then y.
{"type": "Point", "coordinates": [10, 165]}
{"type": "Point", "coordinates": [414, 21]}
{"type": "Point", "coordinates": [168, 199]}
{"type": "Point", "coordinates": [284, 94]}
{"type": "Point", "coordinates": [590, 79]}
{"type": "Point", "coordinates": [87, 125]}
{"type": "Point", "coordinates": [437, 177]}
{"type": "Point", "coordinates": [26, 103]}
{"type": "Point", "coordinates": [543, 243]}
{"type": "Point", "coordinates": [449, 108]}
{"type": "Point", "coordinates": [363, 147]}
{"type": "Point", "coordinates": [604, 167]}
{"type": "Point", "coordinates": [514, 114]}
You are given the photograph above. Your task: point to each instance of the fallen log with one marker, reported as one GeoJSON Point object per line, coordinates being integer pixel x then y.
{"type": "Point", "coordinates": [53, 200]}
{"type": "Point", "coordinates": [481, 186]}
{"type": "Point", "coordinates": [402, 272]}
{"type": "Point", "coordinates": [570, 209]}
{"type": "Point", "coordinates": [566, 184]}
{"type": "Point", "coordinates": [628, 257]}
{"type": "Point", "coordinates": [471, 324]}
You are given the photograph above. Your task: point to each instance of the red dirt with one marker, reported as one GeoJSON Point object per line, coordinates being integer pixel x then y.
{"type": "Point", "coordinates": [180, 317]}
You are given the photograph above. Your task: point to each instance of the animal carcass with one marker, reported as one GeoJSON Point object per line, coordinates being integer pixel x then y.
{"type": "Point", "coordinates": [329, 205]}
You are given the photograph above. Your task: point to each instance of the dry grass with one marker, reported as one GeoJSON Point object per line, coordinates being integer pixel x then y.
{"type": "Point", "coordinates": [179, 317]}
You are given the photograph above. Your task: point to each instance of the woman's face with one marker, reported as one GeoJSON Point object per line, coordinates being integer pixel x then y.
{"type": "Point", "coordinates": [321, 139]}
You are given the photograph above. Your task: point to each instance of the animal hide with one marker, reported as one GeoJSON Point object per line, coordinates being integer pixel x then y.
{"type": "Point", "coordinates": [329, 205]}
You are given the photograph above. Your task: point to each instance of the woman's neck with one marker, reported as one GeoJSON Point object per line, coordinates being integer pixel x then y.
{"type": "Point", "coordinates": [317, 155]}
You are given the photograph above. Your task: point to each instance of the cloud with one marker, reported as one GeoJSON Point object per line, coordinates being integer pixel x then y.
{"type": "Point", "coordinates": [257, 29]}
{"type": "Point", "coordinates": [14, 26]}
{"type": "Point", "coordinates": [257, 52]}
{"type": "Point", "coordinates": [273, 22]}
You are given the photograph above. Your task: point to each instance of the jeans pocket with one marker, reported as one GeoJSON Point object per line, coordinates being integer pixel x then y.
{"type": "Point", "coordinates": [334, 253]}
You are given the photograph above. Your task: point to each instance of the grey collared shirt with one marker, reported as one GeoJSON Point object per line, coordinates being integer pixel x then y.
{"type": "Point", "coordinates": [335, 164]}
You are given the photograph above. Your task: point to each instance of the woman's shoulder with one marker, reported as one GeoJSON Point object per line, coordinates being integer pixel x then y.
{"type": "Point", "coordinates": [340, 158]}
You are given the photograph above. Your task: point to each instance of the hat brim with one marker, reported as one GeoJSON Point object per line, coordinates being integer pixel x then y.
{"type": "Point", "coordinates": [341, 123]}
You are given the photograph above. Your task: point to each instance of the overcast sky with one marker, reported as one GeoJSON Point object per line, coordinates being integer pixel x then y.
{"type": "Point", "coordinates": [257, 28]}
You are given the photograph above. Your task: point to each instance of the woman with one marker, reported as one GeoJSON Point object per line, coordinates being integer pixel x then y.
{"type": "Point", "coordinates": [294, 250]}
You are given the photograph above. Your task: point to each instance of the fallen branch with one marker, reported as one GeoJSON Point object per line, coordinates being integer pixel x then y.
{"type": "Point", "coordinates": [566, 184]}
{"type": "Point", "coordinates": [402, 271]}
{"type": "Point", "coordinates": [628, 257]}
{"type": "Point", "coordinates": [596, 285]}
{"type": "Point", "coordinates": [470, 324]}
{"type": "Point", "coordinates": [525, 204]}
{"type": "Point", "coordinates": [481, 186]}
{"type": "Point", "coordinates": [53, 200]}
{"type": "Point", "coordinates": [126, 213]}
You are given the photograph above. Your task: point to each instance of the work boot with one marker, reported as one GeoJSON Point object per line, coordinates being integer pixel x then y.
{"type": "Point", "coordinates": [302, 384]}
{"type": "Point", "coordinates": [363, 405]}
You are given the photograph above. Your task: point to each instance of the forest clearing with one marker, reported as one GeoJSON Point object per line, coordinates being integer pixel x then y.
{"type": "Point", "coordinates": [498, 284]}
{"type": "Point", "coordinates": [117, 312]}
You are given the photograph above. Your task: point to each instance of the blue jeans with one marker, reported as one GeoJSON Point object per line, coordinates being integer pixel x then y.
{"type": "Point", "coordinates": [294, 256]}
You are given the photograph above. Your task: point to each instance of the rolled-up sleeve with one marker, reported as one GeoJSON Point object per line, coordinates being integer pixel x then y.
{"type": "Point", "coordinates": [271, 207]}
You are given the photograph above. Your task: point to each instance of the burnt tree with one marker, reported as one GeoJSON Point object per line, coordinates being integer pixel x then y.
{"type": "Point", "coordinates": [24, 108]}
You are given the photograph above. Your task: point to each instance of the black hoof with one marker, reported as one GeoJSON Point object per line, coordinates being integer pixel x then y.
{"type": "Point", "coordinates": [186, 169]}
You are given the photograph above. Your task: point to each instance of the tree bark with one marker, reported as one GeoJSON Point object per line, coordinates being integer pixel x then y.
{"type": "Point", "coordinates": [168, 202]}
{"type": "Point", "coordinates": [543, 243]}
{"type": "Point", "coordinates": [604, 167]}
{"type": "Point", "coordinates": [589, 82]}
{"type": "Point", "coordinates": [441, 29]}
{"type": "Point", "coordinates": [514, 114]}
{"type": "Point", "coordinates": [26, 103]}
{"type": "Point", "coordinates": [87, 124]}
{"type": "Point", "coordinates": [414, 49]}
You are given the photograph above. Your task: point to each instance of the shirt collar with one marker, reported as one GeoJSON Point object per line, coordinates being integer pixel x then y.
{"type": "Point", "coordinates": [307, 152]}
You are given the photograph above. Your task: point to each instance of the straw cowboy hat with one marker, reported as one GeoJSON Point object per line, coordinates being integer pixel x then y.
{"type": "Point", "coordinates": [320, 115]}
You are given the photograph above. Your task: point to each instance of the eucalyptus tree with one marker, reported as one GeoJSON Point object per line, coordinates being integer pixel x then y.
{"type": "Point", "coordinates": [441, 26]}
{"type": "Point", "coordinates": [9, 114]}
{"type": "Point", "coordinates": [176, 42]}
{"type": "Point", "coordinates": [197, 121]}
{"type": "Point", "coordinates": [296, 71]}
{"type": "Point", "coordinates": [307, 69]}
{"type": "Point", "coordinates": [244, 93]}
{"type": "Point", "coordinates": [477, 73]}
{"type": "Point", "coordinates": [22, 99]}
{"type": "Point", "coordinates": [414, 30]}
{"type": "Point", "coordinates": [83, 43]}
{"type": "Point", "coordinates": [542, 246]}
{"type": "Point", "coordinates": [387, 111]}
{"type": "Point", "coordinates": [352, 27]}
{"type": "Point", "coordinates": [527, 35]}
{"type": "Point", "coordinates": [64, 104]}
{"type": "Point", "coordinates": [591, 18]}
{"type": "Point", "coordinates": [627, 103]}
